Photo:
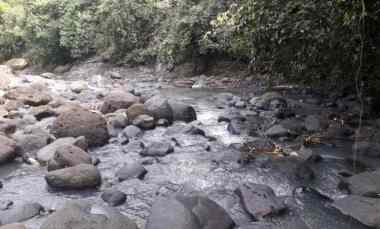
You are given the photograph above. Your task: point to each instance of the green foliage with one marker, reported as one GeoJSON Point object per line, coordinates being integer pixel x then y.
{"type": "Point", "coordinates": [304, 40]}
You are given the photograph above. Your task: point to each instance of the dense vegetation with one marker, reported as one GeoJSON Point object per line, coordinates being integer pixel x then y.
{"type": "Point", "coordinates": [334, 41]}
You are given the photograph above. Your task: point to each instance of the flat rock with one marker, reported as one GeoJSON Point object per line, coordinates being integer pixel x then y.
{"type": "Point", "coordinates": [157, 149]}
{"type": "Point", "coordinates": [365, 210]}
{"type": "Point", "coordinates": [78, 177]}
{"type": "Point", "coordinates": [29, 96]}
{"type": "Point", "coordinates": [17, 63]}
{"type": "Point", "coordinates": [20, 213]}
{"type": "Point", "coordinates": [135, 170]}
{"type": "Point", "coordinates": [78, 215]}
{"type": "Point", "coordinates": [13, 226]}
{"type": "Point", "coordinates": [259, 200]}
{"type": "Point", "coordinates": [366, 183]}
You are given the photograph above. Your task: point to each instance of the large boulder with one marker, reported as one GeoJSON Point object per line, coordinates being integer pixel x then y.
{"type": "Point", "coordinates": [77, 215]}
{"type": "Point", "coordinates": [365, 210]}
{"type": "Point", "coordinates": [7, 149]}
{"type": "Point", "coordinates": [20, 213]}
{"type": "Point", "coordinates": [188, 212]}
{"type": "Point", "coordinates": [68, 156]}
{"type": "Point", "coordinates": [17, 63]}
{"type": "Point", "coordinates": [182, 111]}
{"type": "Point", "coordinates": [77, 122]}
{"type": "Point", "coordinates": [47, 153]}
{"type": "Point", "coordinates": [29, 96]}
{"type": "Point", "coordinates": [366, 183]}
{"type": "Point", "coordinates": [78, 177]}
{"type": "Point", "coordinates": [118, 100]}
{"type": "Point", "coordinates": [159, 107]}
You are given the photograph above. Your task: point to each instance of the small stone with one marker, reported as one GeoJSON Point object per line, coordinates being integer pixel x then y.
{"type": "Point", "coordinates": [145, 122]}
{"type": "Point", "coordinates": [131, 171]}
{"type": "Point", "coordinates": [157, 149]}
{"type": "Point", "coordinates": [114, 197]}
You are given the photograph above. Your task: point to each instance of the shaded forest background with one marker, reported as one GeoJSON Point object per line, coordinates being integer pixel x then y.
{"type": "Point", "coordinates": [331, 42]}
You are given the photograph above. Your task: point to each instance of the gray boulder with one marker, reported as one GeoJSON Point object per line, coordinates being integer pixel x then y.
{"type": "Point", "coordinates": [188, 212]}
{"type": "Point", "coordinates": [144, 121]}
{"type": "Point", "coordinates": [118, 100]}
{"type": "Point", "coordinates": [78, 215]}
{"type": "Point", "coordinates": [157, 149]}
{"type": "Point", "coordinates": [259, 200]}
{"type": "Point", "coordinates": [20, 213]}
{"type": "Point", "coordinates": [159, 107]}
{"type": "Point", "coordinates": [78, 177]}
{"type": "Point", "coordinates": [68, 156]}
{"type": "Point", "coordinates": [135, 170]}
{"type": "Point", "coordinates": [182, 111]}
{"type": "Point", "coordinates": [76, 122]}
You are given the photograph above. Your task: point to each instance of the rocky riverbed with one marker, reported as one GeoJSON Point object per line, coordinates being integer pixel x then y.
{"type": "Point", "coordinates": [95, 146]}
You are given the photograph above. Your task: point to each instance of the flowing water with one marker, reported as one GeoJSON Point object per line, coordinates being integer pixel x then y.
{"type": "Point", "coordinates": [192, 166]}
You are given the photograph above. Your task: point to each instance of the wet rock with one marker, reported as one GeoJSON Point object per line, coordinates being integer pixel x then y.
{"type": "Point", "coordinates": [368, 149]}
{"type": "Point", "coordinates": [77, 122]}
{"type": "Point", "coordinates": [365, 184]}
{"type": "Point", "coordinates": [365, 210]}
{"type": "Point", "coordinates": [48, 75]}
{"type": "Point", "coordinates": [115, 75]}
{"type": "Point", "coordinates": [17, 64]}
{"type": "Point", "coordinates": [159, 107]}
{"type": "Point", "coordinates": [5, 205]}
{"type": "Point", "coordinates": [13, 226]}
{"type": "Point", "coordinates": [68, 156]}
{"type": "Point", "coordinates": [304, 172]}
{"type": "Point", "coordinates": [7, 149]}
{"type": "Point", "coordinates": [78, 177]}
{"type": "Point", "coordinates": [131, 131]}
{"type": "Point", "coordinates": [163, 123]}
{"type": "Point", "coordinates": [157, 149]}
{"type": "Point", "coordinates": [78, 86]}
{"type": "Point", "coordinates": [268, 101]}
{"type": "Point", "coordinates": [47, 153]}
{"type": "Point", "coordinates": [116, 122]}
{"type": "Point", "coordinates": [313, 123]}
{"type": "Point", "coordinates": [277, 131]}
{"type": "Point", "coordinates": [188, 212]}
{"type": "Point", "coordinates": [20, 213]}
{"type": "Point", "coordinates": [131, 171]}
{"type": "Point", "coordinates": [78, 215]}
{"type": "Point", "coordinates": [32, 140]}
{"type": "Point", "coordinates": [258, 145]}
{"type": "Point", "coordinates": [29, 96]}
{"type": "Point", "coordinates": [144, 121]}
{"type": "Point", "coordinates": [136, 110]}
{"type": "Point", "coordinates": [62, 69]}
{"type": "Point", "coordinates": [260, 200]}
{"type": "Point", "coordinates": [232, 116]}
{"type": "Point", "coordinates": [114, 197]}
{"type": "Point", "coordinates": [184, 128]}
{"type": "Point", "coordinates": [182, 111]}
{"type": "Point", "coordinates": [235, 127]}
{"type": "Point", "coordinates": [118, 100]}
{"type": "Point", "coordinates": [42, 112]}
